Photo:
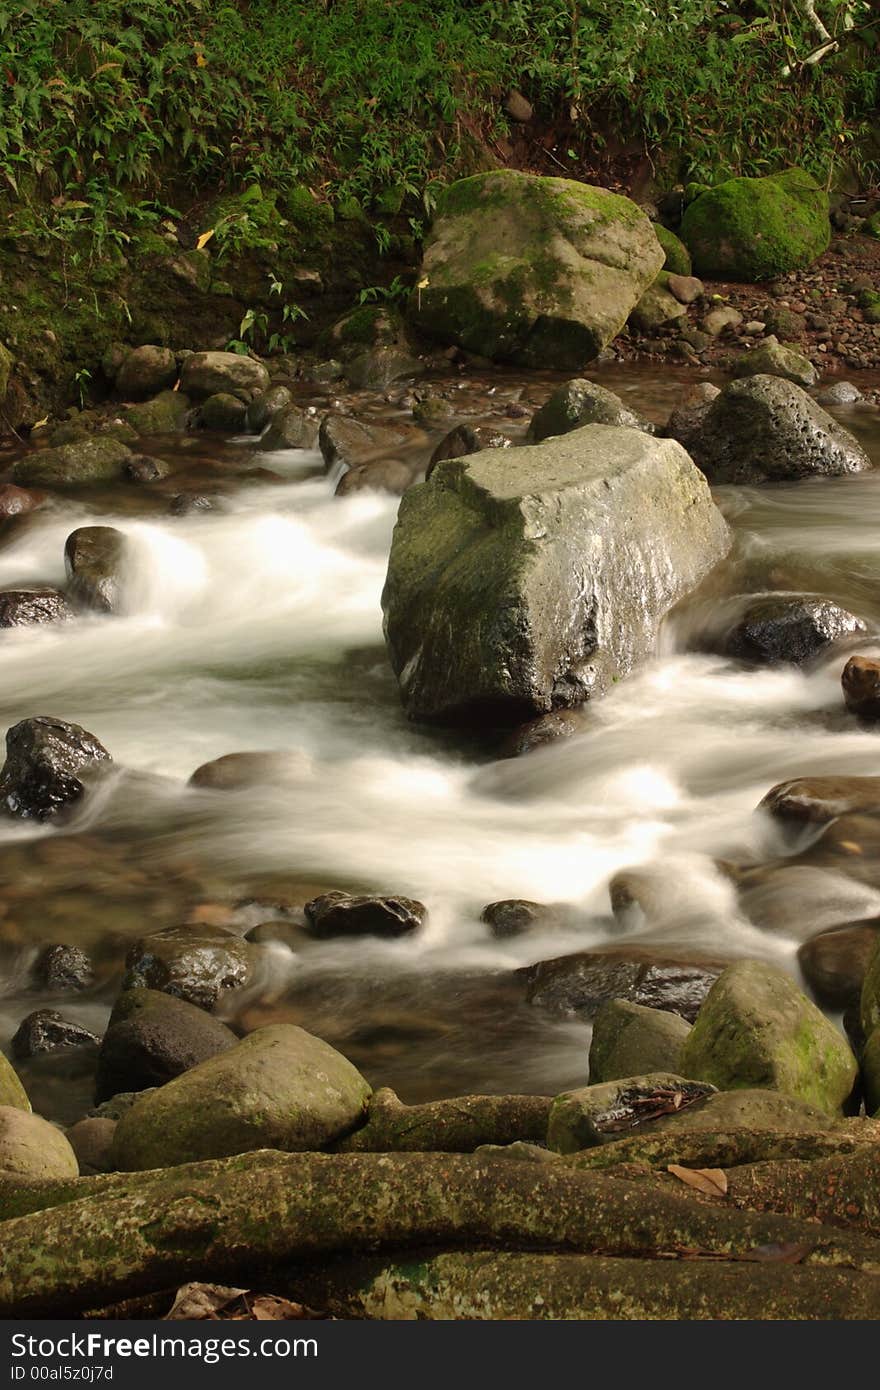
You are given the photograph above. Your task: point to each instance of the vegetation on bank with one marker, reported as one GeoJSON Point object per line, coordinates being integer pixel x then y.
{"type": "Point", "coordinates": [107, 106]}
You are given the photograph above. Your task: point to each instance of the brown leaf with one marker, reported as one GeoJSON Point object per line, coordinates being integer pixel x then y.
{"type": "Point", "coordinates": [712, 1181]}
{"type": "Point", "coordinates": [266, 1307]}
{"type": "Point", "coordinates": [197, 1302]}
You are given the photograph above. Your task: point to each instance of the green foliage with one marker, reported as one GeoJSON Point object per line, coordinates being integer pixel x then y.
{"type": "Point", "coordinates": [102, 101]}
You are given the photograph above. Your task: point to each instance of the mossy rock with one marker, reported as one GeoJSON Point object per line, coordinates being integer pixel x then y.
{"type": "Point", "coordinates": [757, 1030]}
{"type": "Point", "coordinates": [869, 303]}
{"type": "Point", "coordinates": [542, 272]}
{"type": "Point", "coordinates": [629, 1039]}
{"type": "Point", "coordinates": [7, 362]}
{"type": "Point", "coordinates": [678, 257]}
{"type": "Point", "coordinates": [755, 229]}
{"type": "Point", "coordinates": [772, 358]}
{"type": "Point", "coordinates": [870, 1001]}
{"type": "Point", "coordinates": [164, 414]}
{"type": "Point", "coordinates": [31, 1148]}
{"type": "Point", "coordinates": [90, 460]}
{"type": "Point", "coordinates": [871, 226]}
{"type": "Point", "coordinates": [11, 1090]}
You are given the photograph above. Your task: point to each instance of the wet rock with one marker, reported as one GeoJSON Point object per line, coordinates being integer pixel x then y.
{"type": "Point", "coordinates": [516, 917]}
{"type": "Point", "coordinates": [236, 770]}
{"type": "Point", "coordinates": [94, 559]}
{"type": "Point", "coordinates": [46, 1030]}
{"type": "Point", "coordinates": [31, 1148]}
{"type": "Point", "coordinates": [280, 1088]}
{"type": "Point", "coordinates": [746, 1109]}
{"type": "Point", "coordinates": [756, 1029]}
{"type": "Point", "coordinates": [658, 977]}
{"type": "Point", "coordinates": [788, 629]}
{"type": "Point", "coordinates": [211, 373]}
{"type": "Point", "coordinates": [344, 441]}
{"type": "Point", "coordinates": [292, 428]}
{"type": "Point", "coordinates": [379, 367]}
{"type": "Point", "coordinates": [145, 371]}
{"type": "Point", "coordinates": [629, 1040]}
{"type": "Point", "coordinates": [657, 308]}
{"type": "Point", "coordinates": [772, 358]}
{"type": "Point", "coordinates": [12, 1093]}
{"type": "Point", "coordinates": [433, 413]}
{"type": "Point", "coordinates": [151, 1038]}
{"type": "Point", "coordinates": [546, 729]}
{"type": "Point", "coordinates": [383, 475]}
{"type": "Point", "coordinates": [342, 914]}
{"type": "Point", "coordinates": [48, 767]}
{"type": "Point", "coordinates": [575, 262]}
{"type": "Point", "coordinates": [581, 402]}
{"type": "Point", "coordinates": [835, 962]}
{"type": "Point", "coordinates": [822, 798]}
{"type": "Point", "coordinates": [185, 503]}
{"type": "Point", "coordinates": [196, 963]}
{"type": "Point", "coordinates": [764, 429]}
{"type": "Point", "coordinates": [280, 933]}
{"type": "Point", "coordinates": [24, 607]}
{"type": "Point", "coordinates": [265, 407]}
{"type": "Point", "coordinates": [464, 440]}
{"type": "Point", "coordinates": [18, 501]}
{"type": "Point", "coordinates": [600, 1114]}
{"type": "Point", "coordinates": [523, 582]}
{"type": "Point", "coordinates": [861, 687]}
{"type": "Point", "coordinates": [166, 413]}
{"type": "Point", "coordinates": [840, 393]}
{"type": "Point", "coordinates": [142, 468]}
{"type": "Point", "coordinates": [93, 459]}
{"type": "Point", "coordinates": [91, 1140]}
{"type": "Point", "coordinates": [222, 411]}
{"type": "Point", "coordinates": [62, 968]}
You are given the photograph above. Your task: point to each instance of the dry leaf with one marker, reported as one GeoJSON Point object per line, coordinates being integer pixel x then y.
{"type": "Point", "coordinates": [712, 1181]}
{"type": "Point", "coordinates": [199, 1301]}
{"type": "Point", "coordinates": [204, 239]}
{"type": "Point", "coordinates": [266, 1307]}
{"type": "Point", "coordinates": [40, 423]}
{"type": "Point", "coordinates": [851, 847]}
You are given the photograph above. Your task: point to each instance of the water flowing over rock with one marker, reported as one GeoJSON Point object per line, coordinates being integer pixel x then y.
{"type": "Point", "coordinates": [788, 628]}
{"type": "Point", "coordinates": [765, 429]}
{"type": "Point", "coordinates": [48, 764]}
{"type": "Point", "coordinates": [93, 558]}
{"type": "Point", "coordinates": [861, 687]}
{"type": "Point", "coordinates": [529, 580]}
{"type": "Point", "coordinates": [539, 271]}
{"type": "Point", "coordinates": [24, 607]}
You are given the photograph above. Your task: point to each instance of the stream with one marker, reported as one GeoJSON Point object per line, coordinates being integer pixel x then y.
{"type": "Point", "coordinates": [257, 626]}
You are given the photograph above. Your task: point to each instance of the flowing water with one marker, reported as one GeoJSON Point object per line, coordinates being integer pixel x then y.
{"type": "Point", "coordinates": [257, 625]}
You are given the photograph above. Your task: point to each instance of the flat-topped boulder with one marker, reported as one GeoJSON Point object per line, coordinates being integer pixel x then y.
{"type": "Point", "coordinates": [526, 580]}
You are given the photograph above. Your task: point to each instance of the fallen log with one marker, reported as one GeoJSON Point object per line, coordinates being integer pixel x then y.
{"type": "Point", "coordinates": [448, 1126]}
{"type": "Point", "coordinates": [721, 1148]}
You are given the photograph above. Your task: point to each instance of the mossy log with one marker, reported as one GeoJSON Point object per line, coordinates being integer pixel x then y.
{"type": "Point", "coordinates": [842, 1190]}
{"type": "Point", "coordinates": [493, 1285]}
{"type": "Point", "coordinates": [241, 1222]}
{"type": "Point", "coordinates": [448, 1126]}
{"type": "Point", "coordinates": [722, 1148]}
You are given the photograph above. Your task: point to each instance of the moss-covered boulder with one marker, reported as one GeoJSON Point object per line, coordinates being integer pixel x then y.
{"type": "Point", "coordinates": [581, 402]}
{"type": "Point", "coordinates": [870, 1001]}
{"type": "Point", "coordinates": [757, 1030]}
{"type": "Point", "coordinates": [7, 362]}
{"type": "Point", "coordinates": [529, 579]}
{"type": "Point", "coordinates": [543, 272]}
{"type": "Point", "coordinates": [32, 1148]}
{"type": "Point", "coordinates": [677, 256]}
{"type": "Point", "coordinates": [629, 1039]}
{"type": "Point", "coordinates": [11, 1090]}
{"type": "Point", "coordinates": [94, 459]}
{"type": "Point", "coordinates": [755, 229]}
{"type": "Point", "coordinates": [164, 414]}
{"type": "Point", "coordinates": [657, 307]}
{"type": "Point", "coordinates": [279, 1088]}
{"type": "Point", "coordinates": [772, 358]}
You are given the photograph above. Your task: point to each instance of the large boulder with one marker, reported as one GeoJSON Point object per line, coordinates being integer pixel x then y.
{"type": "Point", "coordinates": [835, 962]}
{"type": "Point", "coordinates": [210, 373]}
{"type": "Point", "coordinates": [531, 579]}
{"type": "Point", "coordinates": [581, 402]}
{"type": "Point", "coordinates": [48, 766]}
{"type": "Point", "coordinates": [31, 1148]}
{"type": "Point", "coordinates": [755, 229]}
{"type": "Point", "coordinates": [279, 1088]}
{"type": "Point", "coordinates": [756, 1029]}
{"type": "Point", "coordinates": [145, 371]}
{"type": "Point", "coordinates": [153, 1037]}
{"type": "Point", "coordinates": [12, 1093]}
{"type": "Point", "coordinates": [629, 1039]}
{"type": "Point", "coordinates": [196, 963]}
{"type": "Point", "coordinates": [765, 429]}
{"type": "Point", "coordinates": [657, 977]}
{"type": "Point", "coordinates": [543, 272]}
{"type": "Point", "coordinates": [94, 559]}
{"type": "Point", "coordinates": [94, 459]}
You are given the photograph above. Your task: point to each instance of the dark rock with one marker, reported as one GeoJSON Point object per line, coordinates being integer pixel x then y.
{"type": "Point", "coordinates": [861, 687]}
{"type": "Point", "coordinates": [24, 607]}
{"type": "Point", "coordinates": [581, 402]}
{"type": "Point", "coordinates": [62, 968]}
{"type": "Point", "coordinates": [464, 440]}
{"type": "Point", "coordinates": [278, 933]}
{"type": "Point", "coordinates": [152, 1037]}
{"type": "Point", "coordinates": [788, 628]}
{"type": "Point", "coordinates": [660, 977]}
{"type": "Point", "coordinates": [45, 1030]}
{"type": "Point", "coordinates": [292, 428]}
{"type": "Point", "coordinates": [223, 411]}
{"type": "Point", "coordinates": [383, 475]}
{"type": "Point", "coordinates": [266, 407]}
{"type": "Point", "coordinates": [18, 501]}
{"type": "Point", "coordinates": [48, 766]}
{"type": "Point", "coordinates": [145, 371]}
{"type": "Point", "coordinates": [91, 1140]}
{"type": "Point", "coordinates": [835, 962]}
{"type": "Point", "coordinates": [515, 917]}
{"type": "Point", "coordinates": [546, 729]}
{"type": "Point", "coordinates": [822, 798]}
{"type": "Point", "coordinates": [764, 429]}
{"type": "Point", "coordinates": [344, 441]}
{"type": "Point", "coordinates": [94, 558]}
{"type": "Point", "coordinates": [342, 914]}
{"type": "Point", "coordinates": [187, 502]}
{"type": "Point", "coordinates": [142, 468]}
{"type": "Point", "coordinates": [196, 963]}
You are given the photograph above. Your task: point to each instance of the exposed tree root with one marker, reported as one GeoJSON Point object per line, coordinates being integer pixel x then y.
{"type": "Point", "coordinates": [448, 1126]}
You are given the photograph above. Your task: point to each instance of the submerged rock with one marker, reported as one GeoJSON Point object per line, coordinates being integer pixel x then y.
{"type": "Point", "coordinates": [233, 771]}
{"type": "Point", "coordinates": [49, 765]}
{"type": "Point", "coordinates": [342, 914]}
{"type": "Point", "coordinates": [94, 558]}
{"type": "Point", "coordinates": [516, 917]}
{"type": "Point", "coordinates": [861, 687]}
{"type": "Point", "coordinates": [629, 1039]}
{"type": "Point", "coordinates": [822, 798]}
{"type": "Point", "coordinates": [657, 977]}
{"type": "Point", "coordinates": [25, 607]}
{"type": "Point", "coordinates": [31, 1148]}
{"type": "Point", "coordinates": [543, 272]}
{"type": "Point", "coordinates": [210, 373]}
{"type": "Point", "coordinates": [528, 581]}
{"type": "Point", "coordinates": [196, 963]}
{"type": "Point", "coordinates": [279, 1088]}
{"type": "Point", "coordinates": [835, 962]}
{"type": "Point", "coordinates": [754, 229]}
{"type": "Point", "coordinates": [151, 1038]}
{"type": "Point", "coordinates": [46, 1030]}
{"type": "Point", "coordinates": [581, 402]}
{"type": "Point", "coordinates": [764, 429]}
{"type": "Point", "coordinates": [756, 1029]}
{"type": "Point", "coordinates": [788, 628]}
